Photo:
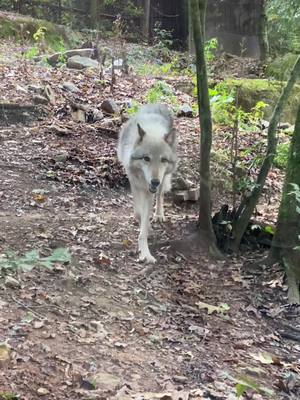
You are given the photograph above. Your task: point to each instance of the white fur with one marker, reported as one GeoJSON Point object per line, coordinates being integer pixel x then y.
{"type": "Point", "coordinates": [158, 144]}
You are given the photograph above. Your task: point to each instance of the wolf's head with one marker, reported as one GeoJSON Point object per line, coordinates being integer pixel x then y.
{"type": "Point", "coordinates": [155, 156]}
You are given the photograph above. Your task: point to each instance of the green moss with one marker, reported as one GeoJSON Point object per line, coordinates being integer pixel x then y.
{"type": "Point", "coordinates": [20, 27]}
{"type": "Point", "coordinates": [251, 91]}
{"type": "Point", "coordinates": [281, 67]}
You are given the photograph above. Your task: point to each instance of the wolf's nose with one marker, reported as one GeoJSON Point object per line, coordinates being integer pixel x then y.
{"type": "Point", "coordinates": [155, 183]}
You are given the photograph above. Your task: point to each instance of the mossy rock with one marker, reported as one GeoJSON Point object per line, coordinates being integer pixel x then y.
{"type": "Point", "coordinates": [22, 28]}
{"type": "Point", "coordinates": [251, 91]}
{"type": "Point", "coordinates": [281, 67]}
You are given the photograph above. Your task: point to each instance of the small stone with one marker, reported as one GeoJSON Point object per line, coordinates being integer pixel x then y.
{"type": "Point", "coordinates": [180, 379]}
{"type": "Point", "coordinates": [62, 157]}
{"type": "Point", "coordinates": [40, 99]}
{"type": "Point", "coordinates": [180, 183]}
{"type": "Point", "coordinates": [36, 89]}
{"type": "Point", "coordinates": [106, 382]}
{"type": "Point", "coordinates": [42, 391]}
{"type": "Point", "coordinates": [12, 282]}
{"type": "Point", "coordinates": [109, 106]}
{"type": "Point", "coordinates": [70, 87]}
{"type": "Point", "coordinates": [185, 111]}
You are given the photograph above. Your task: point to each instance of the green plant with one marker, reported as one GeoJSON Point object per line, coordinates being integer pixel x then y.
{"type": "Point", "coordinates": [31, 53]}
{"type": "Point", "coordinates": [133, 109]}
{"type": "Point", "coordinates": [282, 153]}
{"type": "Point", "coordinates": [10, 260]}
{"type": "Point", "coordinates": [210, 49]}
{"type": "Point", "coordinates": [161, 92]}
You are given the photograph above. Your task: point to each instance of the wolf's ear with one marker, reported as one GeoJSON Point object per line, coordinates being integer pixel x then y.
{"type": "Point", "coordinates": [141, 132]}
{"type": "Point", "coordinates": [170, 137]}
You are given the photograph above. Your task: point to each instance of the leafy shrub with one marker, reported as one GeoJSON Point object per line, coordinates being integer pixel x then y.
{"type": "Point", "coordinates": [282, 153]}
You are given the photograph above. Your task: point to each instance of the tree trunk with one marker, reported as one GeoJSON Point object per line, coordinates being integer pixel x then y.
{"type": "Point", "coordinates": [249, 203]}
{"type": "Point", "coordinates": [205, 223]}
{"type": "Point", "coordinates": [263, 32]}
{"type": "Point", "coordinates": [94, 11]}
{"type": "Point", "coordinates": [287, 235]}
{"type": "Point", "coordinates": [202, 8]}
{"type": "Point", "coordinates": [146, 18]}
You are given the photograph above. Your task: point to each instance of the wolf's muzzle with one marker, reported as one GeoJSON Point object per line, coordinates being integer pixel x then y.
{"type": "Point", "coordinates": [154, 185]}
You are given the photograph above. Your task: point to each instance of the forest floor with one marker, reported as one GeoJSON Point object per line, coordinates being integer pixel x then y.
{"type": "Point", "coordinates": [104, 326]}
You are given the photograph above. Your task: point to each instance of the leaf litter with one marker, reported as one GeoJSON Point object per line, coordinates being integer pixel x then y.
{"type": "Point", "coordinates": [164, 334]}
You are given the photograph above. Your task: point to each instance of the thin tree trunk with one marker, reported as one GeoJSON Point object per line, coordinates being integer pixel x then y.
{"type": "Point", "coordinates": [205, 223]}
{"type": "Point", "coordinates": [287, 233]}
{"type": "Point", "coordinates": [248, 204]}
{"type": "Point", "coordinates": [146, 19]}
{"type": "Point", "coordinates": [94, 14]}
{"type": "Point", "coordinates": [263, 32]}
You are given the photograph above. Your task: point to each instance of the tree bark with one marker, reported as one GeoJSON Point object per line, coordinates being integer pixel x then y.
{"type": "Point", "coordinates": [94, 9]}
{"type": "Point", "coordinates": [249, 203]}
{"type": "Point", "coordinates": [146, 19]}
{"type": "Point", "coordinates": [287, 235]}
{"type": "Point", "coordinates": [263, 32]}
{"type": "Point", "coordinates": [205, 223]}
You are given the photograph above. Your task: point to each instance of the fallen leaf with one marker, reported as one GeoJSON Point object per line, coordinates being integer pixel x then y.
{"type": "Point", "coordinates": [221, 309]}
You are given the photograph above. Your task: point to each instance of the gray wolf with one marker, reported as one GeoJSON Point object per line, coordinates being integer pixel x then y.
{"type": "Point", "coordinates": [147, 150]}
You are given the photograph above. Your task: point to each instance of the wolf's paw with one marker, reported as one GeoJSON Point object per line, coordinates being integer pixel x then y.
{"type": "Point", "coordinates": [148, 258]}
{"type": "Point", "coordinates": [159, 218]}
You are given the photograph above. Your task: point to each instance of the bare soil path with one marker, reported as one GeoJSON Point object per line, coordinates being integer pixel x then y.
{"type": "Point", "coordinates": [105, 326]}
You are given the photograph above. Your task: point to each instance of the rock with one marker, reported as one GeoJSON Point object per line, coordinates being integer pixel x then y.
{"type": "Point", "coordinates": [180, 379]}
{"type": "Point", "coordinates": [78, 62]}
{"type": "Point", "coordinates": [54, 59]}
{"type": "Point", "coordinates": [251, 91]}
{"type": "Point", "coordinates": [181, 196]}
{"type": "Point", "coordinates": [62, 157]}
{"type": "Point", "coordinates": [42, 391]}
{"type": "Point", "coordinates": [284, 125]}
{"type": "Point", "coordinates": [106, 382]}
{"type": "Point", "coordinates": [36, 89]}
{"type": "Point", "coordinates": [281, 67]}
{"type": "Point", "coordinates": [12, 282]}
{"type": "Point", "coordinates": [193, 194]}
{"type": "Point", "coordinates": [40, 99]}
{"type": "Point", "coordinates": [185, 111]}
{"type": "Point", "coordinates": [110, 107]}
{"type": "Point", "coordinates": [179, 183]}
{"type": "Point", "coordinates": [70, 87]}
{"type": "Point", "coordinates": [89, 52]}
{"type": "Point", "coordinates": [118, 64]}
{"type": "Point", "coordinates": [4, 355]}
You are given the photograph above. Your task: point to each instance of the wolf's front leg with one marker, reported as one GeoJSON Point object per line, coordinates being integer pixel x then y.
{"type": "Point", "coordinates": [146, 205]}
{"type": "Point", "coordinates": [159, 214]}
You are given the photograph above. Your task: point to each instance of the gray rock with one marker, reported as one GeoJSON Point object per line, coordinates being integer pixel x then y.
{"type": "Point", "coordinates": [12, 282]}
{"type": "Point", "coordinates": [79, 52]}
{"type": "Point", "coordinates": [185, 111]}
{"type": "Point", "coordinates": [36, 89]}
{"type": "Point", "coordinates": [78, 62]}
{"type": "Point", "coordinates": [70, 87]}
{"type": "Point", "coordinates": [53, 59]}
{"type": "Point", "coordinates": [40, 99]}
{"type": "Point", "coordinates": [106, 382]}
{"type": "Point", "coordinates": [109, 106]}
{"type": "Point", "coordinates": [179, 183]}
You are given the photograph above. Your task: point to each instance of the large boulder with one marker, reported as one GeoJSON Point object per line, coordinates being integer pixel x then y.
{"type": "Point", "coordinates": [281, 67]}
{"type": "Point", "coordinates": [78, 62]}
{"type": "Point", "coordinates": [251, 91]}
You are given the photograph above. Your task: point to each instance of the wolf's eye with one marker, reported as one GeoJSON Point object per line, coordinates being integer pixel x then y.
{"type": "Point", "coordinates": [164, 160]}
{"type": "Point", "coordinates": [146, 158]}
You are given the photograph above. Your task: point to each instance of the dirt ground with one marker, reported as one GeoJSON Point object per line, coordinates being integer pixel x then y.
{"type": "Point", "coordinates": [104, 326]}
